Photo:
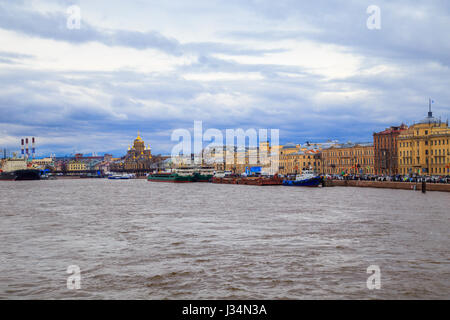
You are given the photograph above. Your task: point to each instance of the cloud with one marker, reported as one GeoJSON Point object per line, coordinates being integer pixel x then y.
{"type": "Point", "coordinates": [53, 25]}
{"type": "Point", "coordinates": [311, 69]}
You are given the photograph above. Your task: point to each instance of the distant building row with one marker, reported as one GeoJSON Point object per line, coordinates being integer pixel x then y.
{"type": "Point", "coordinates": [422, 149]}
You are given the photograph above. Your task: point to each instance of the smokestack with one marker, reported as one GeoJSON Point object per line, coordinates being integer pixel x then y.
{"type": "Point", "coordinates": [33, 147]}
{"type": "Point", "coordinates": [26, 147]}
{"type": "Point", "coordinates": [23, 151]}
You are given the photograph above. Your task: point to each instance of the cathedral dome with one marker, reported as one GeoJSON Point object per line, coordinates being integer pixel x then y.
{"type": "Point", "coordinates": [138, 137]}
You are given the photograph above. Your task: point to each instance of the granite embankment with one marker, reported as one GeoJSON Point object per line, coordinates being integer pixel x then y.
{"type": "Point", "coordinates": [388, 185]}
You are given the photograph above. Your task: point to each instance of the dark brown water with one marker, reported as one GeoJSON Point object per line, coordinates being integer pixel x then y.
{"type": "Point", "coordinates": [145, 240]}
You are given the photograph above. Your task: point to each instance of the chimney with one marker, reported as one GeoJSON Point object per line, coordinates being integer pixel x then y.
{"type": "Point", "coordinates": [26, 147]}
{"type": "Point", "coordinates": [23, 146]}
{"type": "Point", "coordinates": [33, 147]}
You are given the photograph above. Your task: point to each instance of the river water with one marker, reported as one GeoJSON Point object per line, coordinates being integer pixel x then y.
{"type": "Point", "coordinates": [134, 239]}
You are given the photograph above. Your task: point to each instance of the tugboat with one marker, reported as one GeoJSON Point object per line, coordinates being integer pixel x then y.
{"type": "Point", "coordinates": [307, 179]}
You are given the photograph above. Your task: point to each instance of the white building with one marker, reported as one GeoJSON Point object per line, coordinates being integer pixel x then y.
{"type": "Point", "coordinates": [13, 165]}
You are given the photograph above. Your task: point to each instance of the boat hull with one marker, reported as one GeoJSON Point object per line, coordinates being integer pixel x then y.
{"type": "Point", "coordinates": [259, 181]}
{"type": "Point", "coordinates": [20, 175]}
{"type": "Point", "coordinates": [202, 177]}
{"type": "Point", "coordinates": [313, 182]}
{"type": "Point", "coordinates": [174, 178]}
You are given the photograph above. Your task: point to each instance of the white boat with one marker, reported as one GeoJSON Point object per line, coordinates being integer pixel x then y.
{"type": "Point", "coordinates": [221, 174]}
{"type": "Point", "coordinates": [124, 176]}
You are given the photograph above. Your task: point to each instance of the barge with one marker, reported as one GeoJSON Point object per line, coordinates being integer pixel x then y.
{"type": "Point", "coordinates": [254, 181]}
{"type": "Point", "coordinates": [169, 177]}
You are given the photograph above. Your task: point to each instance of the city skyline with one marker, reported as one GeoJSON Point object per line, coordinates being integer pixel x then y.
{"type": "Point", "coordinates": [315, 71]}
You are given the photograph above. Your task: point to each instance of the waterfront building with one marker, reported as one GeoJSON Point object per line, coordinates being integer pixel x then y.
{"type": "Point", "coordinates": [423, 149]}
{"type": "Point", "coordinates": [348, 158]}
{"type": "Point", "coordinates": [286, 164]}
{"type": "Point", "coordinates": [385, 148]}
{"type": "Point", "coordinates": [138, 158]}
{"type": "Point", "coordinates": [296, 162]}
{"type": "Point", "coordinates": [241, 159]}
{"type": "Point", "coordinates": [43, 163]}
{"type": "Point", "coordinates": [8, 165]}
{"type": "Point", "coordinates": [76, 165]}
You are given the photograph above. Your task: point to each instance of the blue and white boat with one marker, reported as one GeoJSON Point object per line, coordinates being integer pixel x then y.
{"type": "Point", "coordinates": [307, 179]}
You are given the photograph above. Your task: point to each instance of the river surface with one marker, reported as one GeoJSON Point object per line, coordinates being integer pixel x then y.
{"type": "Point", "coordinates": [134, 239]}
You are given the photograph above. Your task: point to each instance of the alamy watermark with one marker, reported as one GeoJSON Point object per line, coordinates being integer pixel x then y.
{"type": "Point", "coordinates": [74, 280]}
{"type": "Point", "coordinates": [237, 147]}
{"type": "Point", "coordinates": [374, 20]}
{"type": "Point", "coordinates": [374, 280]}
{"type": "Point", "coordinates": [74, 18]}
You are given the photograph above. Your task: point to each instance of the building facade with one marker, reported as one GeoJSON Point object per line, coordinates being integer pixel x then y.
{"type": "Point", "coordinates": [385, 149]}
{"type": "Point", "coordinates": [8, 165]}
{"type": "Point", "coordinates": [297, 162]}
{"type": "Point", "coordinates": [348, 158]}
{"type": "Point", "coordinates": [76, 165]}
{"type": "Point", "coordinates": [239, 160]}
{"type": "Point", "coordinates": [138, 158]}
{"type": "Point", "coordinates": [423, 149]}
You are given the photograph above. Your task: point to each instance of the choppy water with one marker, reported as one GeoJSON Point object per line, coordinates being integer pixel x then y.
{"type": "Point", "coordinates": [145, 240]}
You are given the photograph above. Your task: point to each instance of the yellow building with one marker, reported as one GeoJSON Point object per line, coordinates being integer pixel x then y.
{"type": "Point", "coordinates": [348, 158]}
{"type": "Point", "coordinates": [76, 166]}
{"type": "Point", "coordinates": [42, 163]}
{"type": "Point", "coordinates": [296, 162]}
{"type": "Point", "coordinates": [423, 148]}
{"type": "Point", "coordinates": [237, 160]}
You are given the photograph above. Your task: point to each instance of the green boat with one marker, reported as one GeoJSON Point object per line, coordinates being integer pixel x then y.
{"type": "Point", "coordinates": [197, 174]}
{"type": "Point", "coordinates": [186, 174]}
{"type": "Point", "coordinates": [202, 177]}
{"type": "Point", "coordinates": [169, 177]}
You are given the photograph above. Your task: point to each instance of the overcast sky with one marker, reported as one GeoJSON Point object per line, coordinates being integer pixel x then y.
{"type": "Point", "coordinates": [309, 68]}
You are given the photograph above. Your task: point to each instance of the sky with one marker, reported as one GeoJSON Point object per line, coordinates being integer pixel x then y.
{"type": "Point", "coordinates": [312, 69]}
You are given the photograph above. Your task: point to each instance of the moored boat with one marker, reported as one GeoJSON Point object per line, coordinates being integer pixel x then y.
{"type": "Point", "coordinates": [20, 175]}
{"type": "Point", "coordinates": [255, 181]}
{"type": "Point", "coordinates": [203, 174]}
{"type": "Point", "coordinates": [307, 179]}
{"type": "Point", "coordinates": [126, 176]}
{"type": "Point", "coordinates": [169, 177]}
